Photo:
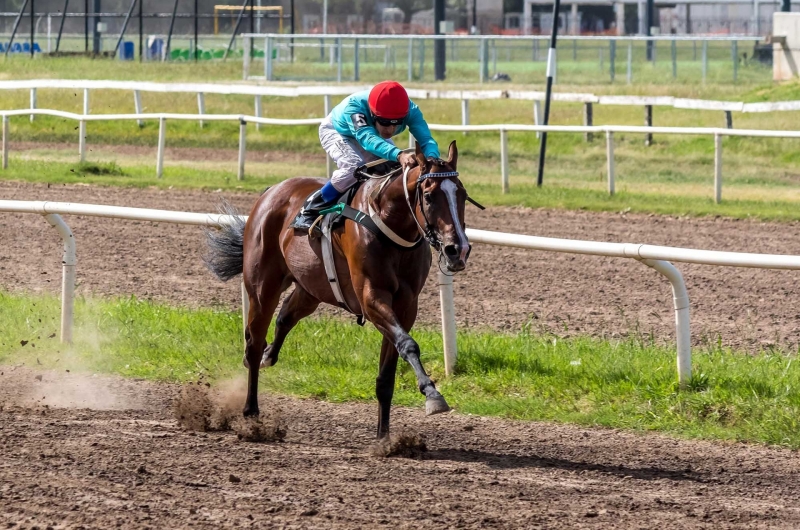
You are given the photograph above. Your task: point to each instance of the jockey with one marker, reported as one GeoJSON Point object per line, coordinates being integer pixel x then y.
{"type": "Point", "coordinates": [360, 130]}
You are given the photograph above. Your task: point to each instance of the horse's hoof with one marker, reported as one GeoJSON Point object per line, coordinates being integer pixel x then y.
{"type": "Point", "coordinates": [267, 359]}
{"type": "Point", "coordinates": [436, 405]}
{"type": "Point", "coordinates": [250, 412]}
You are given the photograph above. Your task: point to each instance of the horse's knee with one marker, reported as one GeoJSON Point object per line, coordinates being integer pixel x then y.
{"type": "Point", "coordinates": [407, 347]}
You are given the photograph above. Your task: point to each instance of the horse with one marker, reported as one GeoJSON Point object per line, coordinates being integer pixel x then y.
{"type": "Point", "coordinates": [380, 277]}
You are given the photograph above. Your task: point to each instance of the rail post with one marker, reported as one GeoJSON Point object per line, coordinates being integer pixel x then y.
{"type": "Point", "coordinates": [5, 142]}
{"type": "Point", "coordinates": [242, 147]}
{"type": "Point", "coordinates": [610, 160]}
{"type": "Point", "coordinates": [484, 51]}
{"type": "Point", "coordinates": [338, 59]}
{"type": "Point", "coordinates": [33, 102]}
{"type": "Point", "coordinates": [410, 56]}
{"type": "Point", "coordinates": [356, 61]}
{"type": "Point", "coordinates": [162, 133]}
{"type": "Point", "coordinates": [504, 159]}
{"type": "Point", "coordinates": [717, 168]}
{"type": "Point", "coordinates": [268, 59]}
{"type": "Point", "coordinates": [137, 104]}
{"type": "Point", "coordinates": [201, 106]}
{"type": "Point", "coordinates": [588, 120]}
{"type": "Point", "coordinates": [465, 113]}
{"type": "Point", "coordinates": [728, 119]}
{"type": "Point", "coordinates": [648, 122]}
{"type": "Point", "coordinates": [259, 111]}
{"type": "Point", "coordinates": [448, 322]}
{"type": "Point", "coordinates": [68, 276]}
{"type": "Point", "coordinates": [612, 58]}
{"type": "Point", "coordinates": [705, 60]}
{"type": "Point", "coordinates": [246, 61]}
{"type": "Point", "coordinates": [674, 55]}
{"type": "Point", "coordinates": [82, 127]}
{"type": "Point", "coordinates": [680, 302]}
{"type": "Point", "coordinates": [630, 63]}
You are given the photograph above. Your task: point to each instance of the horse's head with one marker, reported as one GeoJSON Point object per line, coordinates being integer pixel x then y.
{"type": "Point", "coordinates": [440, 199]}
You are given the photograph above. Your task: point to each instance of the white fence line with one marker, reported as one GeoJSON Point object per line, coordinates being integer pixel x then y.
{"type": "Point", "coordinates": [415, 93]}
{"type": "Point", "coordinates": [503, 129]}
{"type": "Point", "coordinates": [656, 257]}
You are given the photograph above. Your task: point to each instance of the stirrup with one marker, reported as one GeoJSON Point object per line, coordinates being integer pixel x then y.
{"type": "Point", "coordinates": [314, 231]}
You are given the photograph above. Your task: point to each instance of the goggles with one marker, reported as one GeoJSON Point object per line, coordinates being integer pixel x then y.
{"type": "Point", "coordinates": [387, 122]}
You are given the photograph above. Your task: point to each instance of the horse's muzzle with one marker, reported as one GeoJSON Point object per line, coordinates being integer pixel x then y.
{"type": "Point", "coordinates": [457, 256]}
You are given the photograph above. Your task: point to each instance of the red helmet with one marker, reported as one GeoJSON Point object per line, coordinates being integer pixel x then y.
{"type": "Point", "coordinates": [389, 100]}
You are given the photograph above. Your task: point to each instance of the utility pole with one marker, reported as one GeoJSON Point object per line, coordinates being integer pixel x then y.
{"type": "Point", "coordinates": [439, 45]}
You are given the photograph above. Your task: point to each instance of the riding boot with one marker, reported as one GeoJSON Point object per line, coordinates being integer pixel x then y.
{"type": "Point", "coordinates": [310, 212]}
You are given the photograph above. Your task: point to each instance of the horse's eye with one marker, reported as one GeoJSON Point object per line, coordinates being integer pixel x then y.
{"type": "Point", "coordinates": [427, 198]}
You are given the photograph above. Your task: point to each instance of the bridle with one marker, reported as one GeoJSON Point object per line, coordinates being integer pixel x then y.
{"type": "Point", "coordinates": [427, 232]}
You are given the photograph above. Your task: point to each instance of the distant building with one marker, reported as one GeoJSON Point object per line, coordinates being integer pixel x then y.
{"type": "Point", "coordinates": [627, 17]}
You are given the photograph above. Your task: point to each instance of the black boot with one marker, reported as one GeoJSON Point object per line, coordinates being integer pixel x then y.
{"type": "Point", "coordinates": [309, 213]}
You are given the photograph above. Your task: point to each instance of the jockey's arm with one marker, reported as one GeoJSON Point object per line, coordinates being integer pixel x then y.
{"type": "Point", "coordinates": [371, 141]}
{"type": "Point", "coordinates": [418, 127]}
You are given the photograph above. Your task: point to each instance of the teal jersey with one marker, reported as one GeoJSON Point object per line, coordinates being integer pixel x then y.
{"type": "Point", "coordinates": [352, 119]}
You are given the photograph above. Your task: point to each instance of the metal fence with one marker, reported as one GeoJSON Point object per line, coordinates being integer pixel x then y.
{"type": "Point", "coordinates": [520, 59]}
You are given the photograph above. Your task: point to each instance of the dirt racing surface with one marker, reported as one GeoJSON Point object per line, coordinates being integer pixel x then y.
{"type": "Point", "coordinates": [84, 451]}
{"type": "Point", "coordinates": [502, 288]}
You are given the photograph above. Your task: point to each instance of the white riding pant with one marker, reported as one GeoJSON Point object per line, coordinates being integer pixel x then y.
{"type": "Point", "coordinates": [346, 153]}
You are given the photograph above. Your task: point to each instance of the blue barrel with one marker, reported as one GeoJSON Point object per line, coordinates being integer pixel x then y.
{"type": "Point", "coordinates": [127, 51]}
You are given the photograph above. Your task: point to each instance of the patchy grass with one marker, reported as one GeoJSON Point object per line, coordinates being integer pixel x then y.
{"type": "Point", "coordinates": [628, 384]}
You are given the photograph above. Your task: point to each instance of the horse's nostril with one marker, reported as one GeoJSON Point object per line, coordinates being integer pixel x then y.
{"type": "Point", "coordinates": [451, 251]}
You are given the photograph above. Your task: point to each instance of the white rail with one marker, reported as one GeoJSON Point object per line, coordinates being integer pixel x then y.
{"type": "Point", "coordinates": [656, 257]}
{"type": "Point", "coordinates": [415, 93]}
{"type": "Point", "coordinates": [503, 129]}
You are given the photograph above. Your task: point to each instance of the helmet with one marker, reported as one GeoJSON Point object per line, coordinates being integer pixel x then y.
{"type": "Point", "coordinates": [389, 100]}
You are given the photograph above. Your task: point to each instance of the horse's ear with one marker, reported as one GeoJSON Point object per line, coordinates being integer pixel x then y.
{"type": "Point", "coordinates": [453, 155]}
{"type": "Point", "coordinates": [421, 160]}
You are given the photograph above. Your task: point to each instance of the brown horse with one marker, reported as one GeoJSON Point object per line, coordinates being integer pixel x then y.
{"type": "Point", "coordinates": [379, 279]}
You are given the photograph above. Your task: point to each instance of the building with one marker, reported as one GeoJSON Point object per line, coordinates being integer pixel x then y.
{"type": "Point", "coordinates": [628, 17]}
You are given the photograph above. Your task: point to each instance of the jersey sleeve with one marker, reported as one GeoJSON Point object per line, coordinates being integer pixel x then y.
{"type": "Point", "coordinates": [419, 128]}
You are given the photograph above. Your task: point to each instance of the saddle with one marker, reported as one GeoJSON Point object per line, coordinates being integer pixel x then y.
{"type": "Point", "coordinates": [332, 218]}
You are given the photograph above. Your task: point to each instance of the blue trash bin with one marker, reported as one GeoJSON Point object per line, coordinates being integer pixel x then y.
{"type": "Point", "coordinates": [127, 51]}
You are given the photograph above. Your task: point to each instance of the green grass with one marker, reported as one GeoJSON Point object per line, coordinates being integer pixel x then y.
{"type": "Point", "coordinates": [627, 384]}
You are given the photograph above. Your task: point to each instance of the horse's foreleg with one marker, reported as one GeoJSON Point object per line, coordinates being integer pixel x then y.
{"type": "Point", "coordinates": [380, 311]}
{"type": "Point", "coordinates": [262, 307]}
{"type": "Point", "coordinates": [384, 385]}
{"type": "Point", "coordinates": [296, 307]}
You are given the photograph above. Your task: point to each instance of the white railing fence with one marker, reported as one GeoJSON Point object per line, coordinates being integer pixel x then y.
{"type": "Point", "coordinates": [503, 129]}
{"type": "Point", "coordinates": [656, 257]}
{"type": "Point", "coordinates": [328, 92]}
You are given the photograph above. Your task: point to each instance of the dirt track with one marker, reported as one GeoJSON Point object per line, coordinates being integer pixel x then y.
{"type": "Point", "coordinates": [502, 288]}
{"type": "Point", "coordinates": [125, 463]}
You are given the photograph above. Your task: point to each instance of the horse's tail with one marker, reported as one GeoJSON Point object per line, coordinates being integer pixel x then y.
{"type": "Point", "coordinates": [225, 255]}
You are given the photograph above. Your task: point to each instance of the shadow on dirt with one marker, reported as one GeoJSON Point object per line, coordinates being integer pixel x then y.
{"type": "Point", "coordinates": [506, 461]}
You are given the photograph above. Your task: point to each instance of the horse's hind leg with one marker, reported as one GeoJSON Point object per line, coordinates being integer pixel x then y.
{"type": "Point", "coordinates": [263, 302]}
{"type": "Point", "coordinates": [296, 307]}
